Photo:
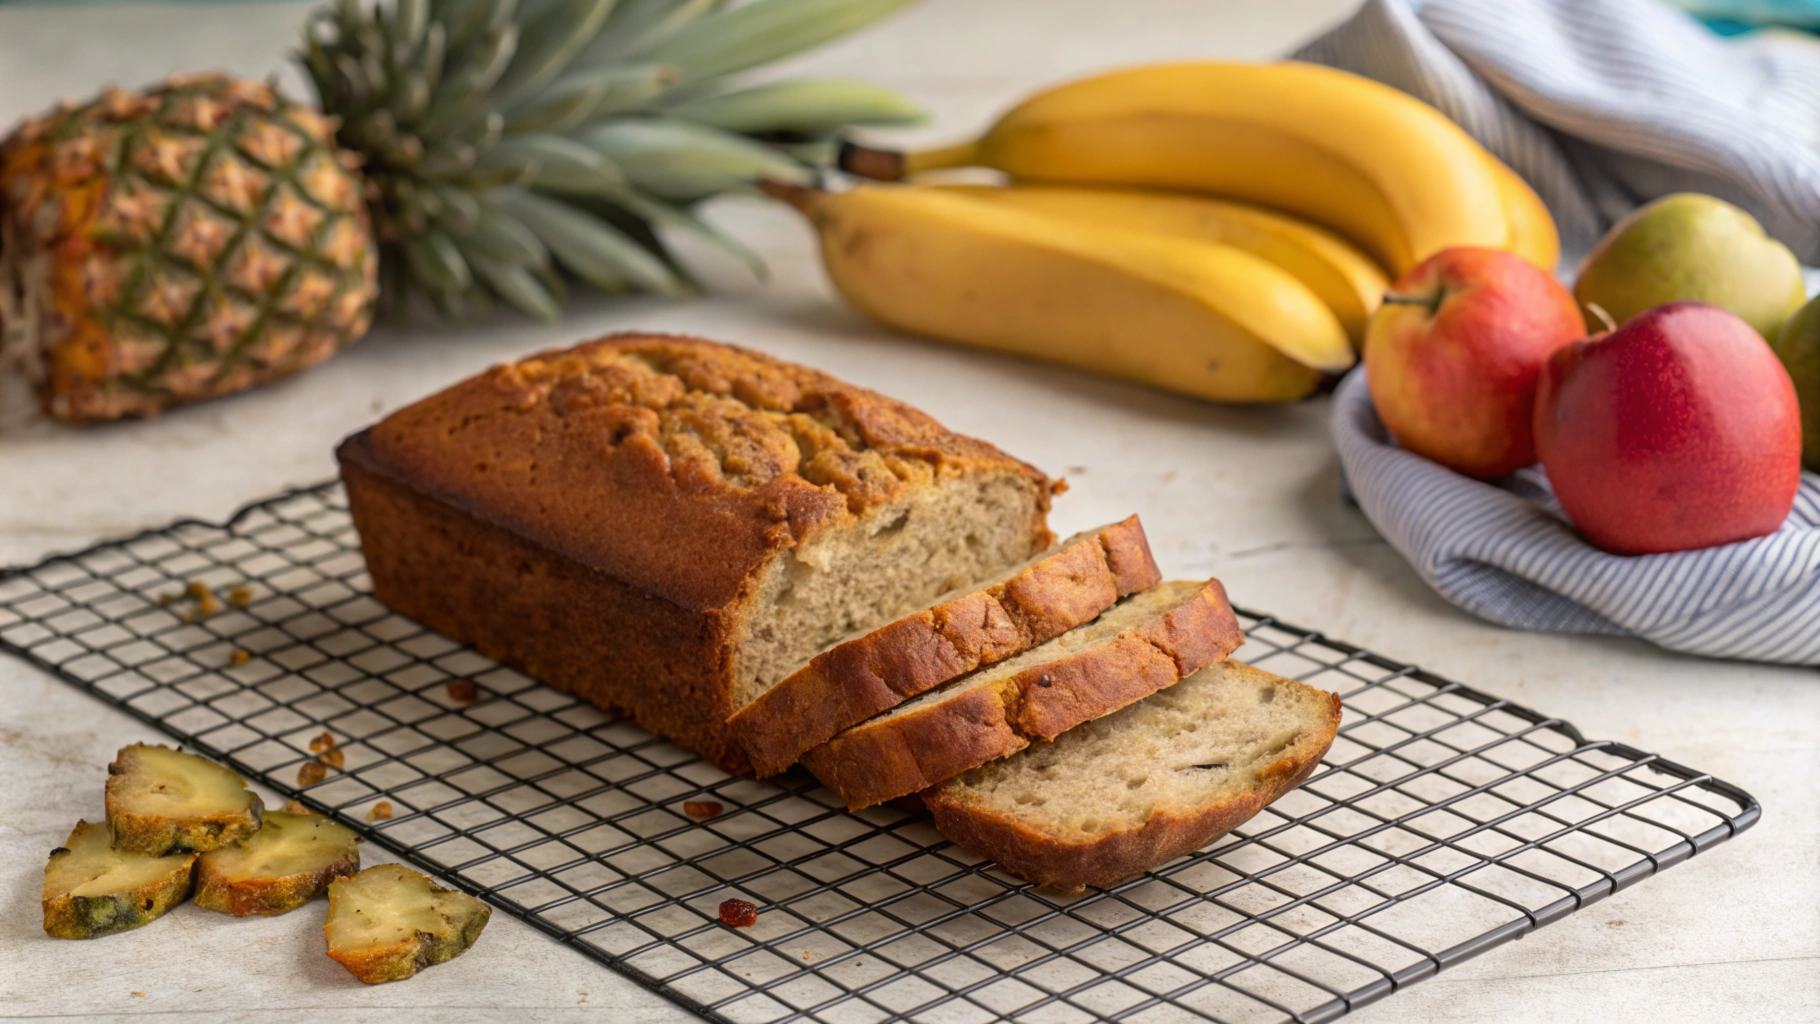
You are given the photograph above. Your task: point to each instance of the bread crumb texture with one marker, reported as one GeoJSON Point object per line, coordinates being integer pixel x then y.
{"type": "Point", "coordinates": [1205, 740]}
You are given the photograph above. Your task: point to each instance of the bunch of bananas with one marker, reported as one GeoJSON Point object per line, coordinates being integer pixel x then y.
{"type": "Point", "coordinates": [1218, 229]}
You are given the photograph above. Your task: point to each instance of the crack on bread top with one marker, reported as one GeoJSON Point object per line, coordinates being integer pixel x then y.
{"type": "Point", "coordinates": [722, 416]}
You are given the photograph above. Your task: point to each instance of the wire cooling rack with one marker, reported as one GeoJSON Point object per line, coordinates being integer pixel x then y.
{"type": "Point", "coordinates": [1443, 822]}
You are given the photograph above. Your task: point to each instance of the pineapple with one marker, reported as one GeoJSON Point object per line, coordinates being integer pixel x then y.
{"type": "Point", "coordinates": [171, 245]}
{"type": "Point", "coordinates": [209, 235]}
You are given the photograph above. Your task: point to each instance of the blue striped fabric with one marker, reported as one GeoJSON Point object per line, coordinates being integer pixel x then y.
{"type": "Point", "coordinates": [1508, 554]}
{"type": "Point", "coordinates": [1602, 104]}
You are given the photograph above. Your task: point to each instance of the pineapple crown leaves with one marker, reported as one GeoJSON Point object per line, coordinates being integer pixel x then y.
{"type": "Point", "coordinates": [508, 143]}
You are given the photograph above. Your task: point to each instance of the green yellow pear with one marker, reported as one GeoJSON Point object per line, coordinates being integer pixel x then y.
{"type": "Point", "coordinates": [1798, 346]}
{"type": "Point", "coordinates": [1689, 246]}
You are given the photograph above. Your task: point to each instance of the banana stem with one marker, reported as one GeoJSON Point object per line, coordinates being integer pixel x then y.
{"type": "Point", "coordinates": [805, 198]}
{"type": "Point", "coordinates": [893, 165]}
{"type": "Point", "coordinates": [964, 154]}
{"type": "Point", "coordinates": [866, 162]}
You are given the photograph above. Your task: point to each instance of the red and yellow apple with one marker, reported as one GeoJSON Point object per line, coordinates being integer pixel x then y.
{"type": "Point", "coordinates": [1678, 430]}
{"type": "Point", "coordinates": [1452, 357]}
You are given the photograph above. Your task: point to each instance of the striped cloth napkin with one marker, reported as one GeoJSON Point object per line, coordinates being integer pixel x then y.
{"type": "Point", "coordinates": [1601, 105]}
{"type": "Point", "coordinates": [1508, 554]}
{"type": "Point", "coordinates": [1605, 104]}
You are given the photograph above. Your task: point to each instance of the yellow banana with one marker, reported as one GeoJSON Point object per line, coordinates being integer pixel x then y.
{"type": "Point", "coordinates": [1342, 276]}
{"type": "Point", "coordinates": [1532, 228]}
{"type": "Point", "coordinates": [1384, 169]}
{"type": "Point", "coordinates": [1198, 318]}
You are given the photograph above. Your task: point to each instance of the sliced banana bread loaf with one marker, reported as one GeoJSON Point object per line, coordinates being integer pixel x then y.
{"type": "Point", "coordinates": [1140, 645]}
{"type": "Point", "coordinates": [1029, 604]}
{"type": "Point", "coordinates": [667, 526]}
{"type": "Point", "coordinates": [1148, 783]}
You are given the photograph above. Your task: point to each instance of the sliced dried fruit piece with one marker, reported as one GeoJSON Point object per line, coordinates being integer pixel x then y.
{"type": "Point", "coordinates": [92, 889]}
{"type": "Point", "coordinates": [290, 861]}
{"type": "Point", "coordinates": [389, 922]}
{"type": "Point", "coordinates": [159, 799]}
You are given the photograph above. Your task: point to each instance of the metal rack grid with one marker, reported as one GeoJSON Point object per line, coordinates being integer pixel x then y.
{"type": "Point", "coordinates": [1443, 822]}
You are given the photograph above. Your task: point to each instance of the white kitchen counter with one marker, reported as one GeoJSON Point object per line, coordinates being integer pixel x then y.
{"type": "Point", "coordinates": [1248, 495]}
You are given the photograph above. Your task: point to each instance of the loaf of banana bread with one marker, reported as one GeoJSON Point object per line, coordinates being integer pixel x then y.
{"type": "Point", "coordinates": [666, 526]}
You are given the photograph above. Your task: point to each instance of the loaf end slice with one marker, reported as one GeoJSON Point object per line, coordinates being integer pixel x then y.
{"type": "Point", "coordinates": [1142, 644]}
{"type": "Point", "coordinates": [1030, 604]}
{"type": "Point", "coordinates": [1163, 777]}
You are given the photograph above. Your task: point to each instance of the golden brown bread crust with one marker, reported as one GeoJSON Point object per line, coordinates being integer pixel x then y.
{"type": "Point", "coordinates": [582, 632]}
{"type": "Point", "coordinates": [676, 465]}
{"type": "Point", "coordinates": [847, 684]}
{"type": "Point", "coordinates": [1110, 859]}
{"type": "Point", "coordinates": [600, 516]}
{"type": "Point", "coordinates": [910, 751]}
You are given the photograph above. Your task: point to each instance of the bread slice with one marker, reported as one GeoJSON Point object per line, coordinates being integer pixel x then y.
{"type": "Point", "coordinates": [1140, 645]}
{"type": "Point", "coordinates": [389, 922]}
{"type": "Point", "coordinates": [92, 889]}
{"type": "Point", "coordinates": [965, 629]}
{"type": "Point", "coordinates": [287, 863]}
{"type": "Point", "coordinates": [159, 799]}
{"type": "Point", "coordinates": [1164, 777]}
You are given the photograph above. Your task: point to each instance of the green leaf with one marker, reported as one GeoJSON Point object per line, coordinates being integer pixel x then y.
{"type": "Point", "coordinates": [549, 43]}
{"type": "Point", "coordinates": [474, 18]}
{"type": "Point", "coordinates": [516, 285]}
{"type": "Point", "coordinates": [679, 160]}
{"type": "Point", "coordinates": [673, 218]}
{"type": "Point", "coordinates": [500, 237]}
{"type": "Point", "coordinates": [409, 18]}
{"type": "Point", "coordinates": [640, 24]}
{"type": "Point", "coordinates": [412, 96]}
{"type": "Point", "coordinates": [429, 62]}
{"type": "Point", "coordinates": [763, 31]}
{"type": "Point", "coordinates": [460, 211]}
{"type": "Point", "coordinates": [562, 164]}
{"type": "Point", "coordinates": [465, 92]}
{"type": "Point", "coordinates": [591, 248]}
{"type": "Point", "coordinates": [437, 263]}
{"type": "Point", "coordinates": [808, 106]}
{"type": "Point", "coordinates": [579, 95]}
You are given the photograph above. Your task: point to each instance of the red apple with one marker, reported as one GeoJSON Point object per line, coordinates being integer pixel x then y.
{"type": "Point", "coordinates": [1452, 357]}
{"type": "Point", "coordinates": [1678, 430]}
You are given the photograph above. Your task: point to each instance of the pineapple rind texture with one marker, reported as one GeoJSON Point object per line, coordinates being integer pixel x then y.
{"type": "Point", "coordinates": [388, 922]}
{"type": "Point", "coordinates": [159, 799]}
{"type": "Point", "coordinates": [162, 247]}
{"type": "Point", "coordinates": [290, 861]}
{"type": "Point", "coordinates": [91, 889]}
